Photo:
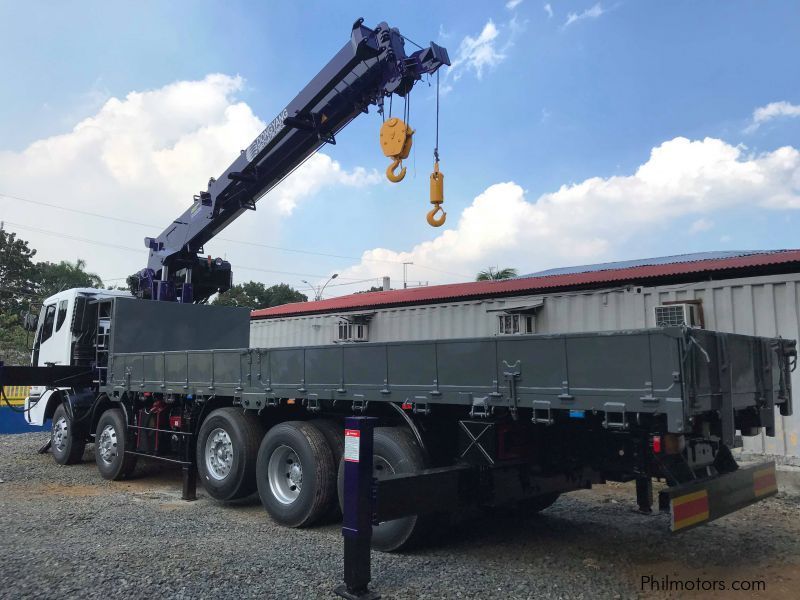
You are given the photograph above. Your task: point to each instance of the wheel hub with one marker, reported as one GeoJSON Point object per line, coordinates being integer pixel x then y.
{"type": "Point", "coordinates": [285, 474]}
{"type": "Point", "coordinates": [108, 444]}
{"type": "Point", "coordinates": [60, 433]}
{"type": "Point", "coordinates": [219, 454]}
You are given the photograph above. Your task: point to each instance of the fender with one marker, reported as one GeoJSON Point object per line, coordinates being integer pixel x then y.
{"type": "Point", "coordinates": [36, 413]}
{"type": "Point", "coordinates": [409, 421]}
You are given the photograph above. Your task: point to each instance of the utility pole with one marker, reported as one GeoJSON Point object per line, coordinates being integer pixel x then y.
{"type": "Point", "coordinates": [405, 274]}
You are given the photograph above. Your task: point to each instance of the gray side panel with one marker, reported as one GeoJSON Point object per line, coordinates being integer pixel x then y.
{"type": "Point", "coordinates": [364, 366]}
{"type": "Point", "coordinates": [148, 326]}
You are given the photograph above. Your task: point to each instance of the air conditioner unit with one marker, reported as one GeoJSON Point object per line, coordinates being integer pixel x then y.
{"type": "Point", "coordinates": [676, 315]}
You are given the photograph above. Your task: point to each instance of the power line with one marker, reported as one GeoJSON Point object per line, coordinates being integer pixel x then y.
{"type": "Point", "coordinates": [243, 242]}
{"type": "Point", "coordinates": [128, 249]}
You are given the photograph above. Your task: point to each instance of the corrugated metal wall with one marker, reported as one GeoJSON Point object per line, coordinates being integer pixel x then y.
{"type": "Point", "coordinates": [765, 306]}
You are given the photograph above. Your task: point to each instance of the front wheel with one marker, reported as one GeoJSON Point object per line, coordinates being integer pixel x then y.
{"type": "Point", "coordinates": [110, 444]}
{"type": "Point", "coordinates": [66, 442]}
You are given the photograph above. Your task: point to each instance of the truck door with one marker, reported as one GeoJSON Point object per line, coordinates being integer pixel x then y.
{"type": "Point", "coordinates": [53, 341]}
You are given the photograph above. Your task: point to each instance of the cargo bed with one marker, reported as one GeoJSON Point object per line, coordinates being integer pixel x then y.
{"type": "Point", "coordinates": [673, 372]}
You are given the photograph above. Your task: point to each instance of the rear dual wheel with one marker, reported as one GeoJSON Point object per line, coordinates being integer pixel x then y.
{"type": "Point", "coordinates": [395, 452]}
{"type": "Point", "coordinates": [296, 472]}
{"type": "Point", "coordinates": [227, 445]}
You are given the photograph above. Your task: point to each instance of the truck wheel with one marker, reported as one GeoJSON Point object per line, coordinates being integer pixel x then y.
{"type": "Point", "coordinates": [538, 503]}
{"type": "Point", "coordinates": [227, 446]}
{"type": "Point", "coordinates": [334, 435]}
{"type": "Point", "coordinates": [295, 473]}
{"type": "Point", "coordinates": [66, 443]}
{"type": "Point", "coordinates": [110, 443]}
{"type": "Point", "coordinates": [395, 451]}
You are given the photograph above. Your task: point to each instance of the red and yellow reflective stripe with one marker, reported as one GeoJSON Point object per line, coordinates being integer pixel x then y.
{"type": "Point", "coordinates": [689, 509]}
{"type": "Point", "coordinates": [764, 481]}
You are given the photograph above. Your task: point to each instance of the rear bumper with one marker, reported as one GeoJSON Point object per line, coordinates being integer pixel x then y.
{"type": "Point", "coordinates": [700, 502]}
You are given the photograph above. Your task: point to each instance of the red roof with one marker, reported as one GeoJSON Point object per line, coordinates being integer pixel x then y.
{"type": "Point", "coordinates": [534, 284]}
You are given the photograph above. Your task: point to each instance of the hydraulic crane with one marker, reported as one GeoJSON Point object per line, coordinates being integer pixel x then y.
{"type": "Point", "coordinates": [371, 67]}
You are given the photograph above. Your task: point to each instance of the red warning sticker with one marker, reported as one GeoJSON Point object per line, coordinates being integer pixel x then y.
{"type": "Point", "coordinates": [351, 443]}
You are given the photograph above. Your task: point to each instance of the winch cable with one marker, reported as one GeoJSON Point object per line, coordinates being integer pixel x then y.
{"type": "Point", "coordinates": [437, 178]}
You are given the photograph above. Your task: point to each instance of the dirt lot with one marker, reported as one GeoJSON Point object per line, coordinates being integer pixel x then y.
{"type": "Point", "coordinates": [68, 533]}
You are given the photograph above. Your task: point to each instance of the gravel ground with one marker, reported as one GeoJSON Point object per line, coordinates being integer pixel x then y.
{"type": "Point", "coordinates": [65, 532]}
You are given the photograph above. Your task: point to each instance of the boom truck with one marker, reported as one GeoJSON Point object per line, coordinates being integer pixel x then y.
{"type": "Point", "coordinates": [489, 421]}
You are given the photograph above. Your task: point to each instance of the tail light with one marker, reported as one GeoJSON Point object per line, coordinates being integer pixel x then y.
{"type": "Point", "coordinates": [655, 444]}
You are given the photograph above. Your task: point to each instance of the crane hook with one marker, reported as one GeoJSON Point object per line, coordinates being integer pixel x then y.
{"type": "Point", "coordinates": [437, 197]}
{"type": "Point", "coordinates": [432, 220]}
{"type": "Point", "coordinates": [391, 175]}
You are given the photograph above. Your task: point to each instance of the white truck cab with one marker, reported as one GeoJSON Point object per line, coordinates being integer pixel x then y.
{"type": "Point", "coordinates": [55, 342]}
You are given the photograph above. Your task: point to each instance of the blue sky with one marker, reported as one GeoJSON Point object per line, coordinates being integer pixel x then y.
{"type": "Point", "coordinates": [545, 95]}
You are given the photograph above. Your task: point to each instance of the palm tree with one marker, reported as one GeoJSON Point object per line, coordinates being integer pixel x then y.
{"type": "Point", "coordinates": [493, 273]}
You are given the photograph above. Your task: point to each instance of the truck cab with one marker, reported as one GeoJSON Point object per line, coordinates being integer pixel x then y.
{"type": "Point", "coordinates": [64, 336]}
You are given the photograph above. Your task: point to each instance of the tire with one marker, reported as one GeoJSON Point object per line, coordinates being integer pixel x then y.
{"type": "Point", "coordinates": [395, 451]}
{"type": "Point", "coordinates": [334, 435]}
{"type": "Point", "coordinates": [111, 441]}
{"type": "Point", "coordinates": [296, 474]}
{"type": "Point", "coordinates": [227, 447]}
{"type": "Point", "coordinates": [66, 444]}
{"type": "Point", "coordinates": [538, 503]}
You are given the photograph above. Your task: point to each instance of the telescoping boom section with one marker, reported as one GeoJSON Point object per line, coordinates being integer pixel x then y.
{"type": "Point", "coordinates": [370, 67]}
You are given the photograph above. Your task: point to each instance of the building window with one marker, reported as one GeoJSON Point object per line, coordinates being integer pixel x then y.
{"type": "Point", "coordinates": [352, 332]}
{"type": "Point", "coordinates": [515, 324]}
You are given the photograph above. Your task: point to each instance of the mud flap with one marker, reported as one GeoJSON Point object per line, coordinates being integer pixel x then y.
{"type": "Point", "coordinates": [700, 502]}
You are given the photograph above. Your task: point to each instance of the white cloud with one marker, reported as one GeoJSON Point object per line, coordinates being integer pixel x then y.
{"type": "Point", "coordinates": [771, 111]}
{"type": "Point", "coordinates": [142, 157]}
{"type": "Point", "coordinates": [590, 13]}
{"type": "Point", "coordinates": [591, 220]}
{"type": "Point", "coordinates": [549, 10]}
{"type": "Point", "coordinates": [512, 4]}
{"type": "Point", "coordinates": [701, 225]}
{"type": "Point", "coordinates": [477, 53]}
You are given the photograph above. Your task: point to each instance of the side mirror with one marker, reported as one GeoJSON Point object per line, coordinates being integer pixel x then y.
{"type": "Point", "coordinates": [30, 321]}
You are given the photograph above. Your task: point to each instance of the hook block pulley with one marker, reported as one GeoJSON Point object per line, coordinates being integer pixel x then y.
{"type": "Point", "coordinates": [396, 139]}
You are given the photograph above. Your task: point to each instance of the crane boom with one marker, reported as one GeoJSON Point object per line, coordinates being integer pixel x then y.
{"type": "Point", "coordinates": [372, 66]}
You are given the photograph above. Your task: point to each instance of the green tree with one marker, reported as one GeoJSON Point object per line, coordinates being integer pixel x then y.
{"type": "Point", "coordinates": [55, 277]}
{"type": "Point", "coordinates": [494, 273]}
{"type": "Point", "coordinates": [17, 293]}
{"type": "Point", "coordinates": [256, 295]}
{"type": "Point", "coordinates": [17, 273]}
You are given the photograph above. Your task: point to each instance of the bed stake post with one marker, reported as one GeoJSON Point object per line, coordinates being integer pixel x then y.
{"type": "Point", "coordinates": [359, 506]}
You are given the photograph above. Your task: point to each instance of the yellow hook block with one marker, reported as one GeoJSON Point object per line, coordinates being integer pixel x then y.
{"type": "Point", "coordinates": [437, 197]}
{"type": "Point", "coordinates": [396, 139]}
